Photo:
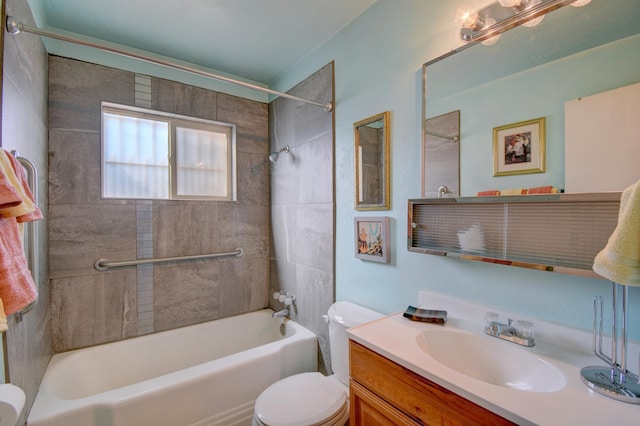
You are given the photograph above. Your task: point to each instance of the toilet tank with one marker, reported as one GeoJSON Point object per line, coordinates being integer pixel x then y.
{"type": "Point", "coordinates": [343, 315]}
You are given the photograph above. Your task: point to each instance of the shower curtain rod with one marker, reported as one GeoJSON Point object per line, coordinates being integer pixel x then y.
{"type": "Point", "coordinates": [15, 27]}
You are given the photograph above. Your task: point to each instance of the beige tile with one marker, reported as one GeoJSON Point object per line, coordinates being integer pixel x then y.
{"type": "Point", "coordinates": [90, 310]}
{"type": "Point", "coordinates": [183, 228]}
{"type": "Point", "coordinates": [251, 119]}
{"type": "Point", "coordinates": [76, 90]}
{"type": "Point", "coordinates": [253, 178]}
{"type": "Point", "coordinates": [244, 285]}
{"type": "Point", "coordinates": [74, 167]}
{"type": "Point", "coordinates": [81, 234]}
{"type": "Point", "coordinates": [185, 293]}
{"type": "Point", "coordinates": [178, 98]}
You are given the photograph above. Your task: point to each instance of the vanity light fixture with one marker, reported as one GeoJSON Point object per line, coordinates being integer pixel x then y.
{"type": "Point", "coordinates": [535, 21]}
{"type": "Point", "coordinates": [489, 22]}
{"type": "Point", "coordinates": [491, 40]}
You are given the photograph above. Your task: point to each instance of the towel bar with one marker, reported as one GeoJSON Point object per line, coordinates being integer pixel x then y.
{"type": "Point", "coordinates": [32, 235]}
{"type": "Point", "coordinates": [104, 264]}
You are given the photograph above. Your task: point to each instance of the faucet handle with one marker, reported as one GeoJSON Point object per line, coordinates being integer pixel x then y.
{"type": "Point", "coordinates": [524, 329]}
{"type": "Point", "coordinates": [490, 317]}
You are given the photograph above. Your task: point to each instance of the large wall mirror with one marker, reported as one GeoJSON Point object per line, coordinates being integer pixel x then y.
{"type": "Point", "coordinates": [372, 181]}
{"type": "Point", "coordinates": [575, 52]}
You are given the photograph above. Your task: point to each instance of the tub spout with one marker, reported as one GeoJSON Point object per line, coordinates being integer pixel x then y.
{"type": "Point", "coordinates": [281, 313]}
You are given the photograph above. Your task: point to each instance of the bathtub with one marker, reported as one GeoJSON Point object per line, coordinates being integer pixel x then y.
{"type": "Point", "coordinates": [205, 374]}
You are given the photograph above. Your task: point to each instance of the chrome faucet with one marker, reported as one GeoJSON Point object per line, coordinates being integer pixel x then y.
{"type": "Point", "coordinates": [281, 313]}
{"type": "Point", "coordinates": [518, 332]}
{"type": "Point", "coordinates": [289, 301]}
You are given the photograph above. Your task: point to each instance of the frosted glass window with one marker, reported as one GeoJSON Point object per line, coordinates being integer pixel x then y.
{"type": "Point", "coordinates": [202, 163]}
{"type": "Point", "coordinates": [135, 157]}
{"type": "Point", "coordinates": [152, 155]}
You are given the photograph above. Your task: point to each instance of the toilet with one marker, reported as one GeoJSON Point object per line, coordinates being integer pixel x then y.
{"type": "Point", "coordinates": [312, 399]}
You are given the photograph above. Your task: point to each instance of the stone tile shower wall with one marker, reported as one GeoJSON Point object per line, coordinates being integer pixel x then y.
{"type": "Point", "coordinates": [91, 307]}
{"type": "Point", "coordinates": [303, 205]}
{"type": "Point", "coordinates": [24, 128]}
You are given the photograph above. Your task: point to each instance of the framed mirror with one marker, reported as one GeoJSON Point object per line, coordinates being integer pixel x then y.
{"type": "Point", "coordinates": [537, 72]}
{"type": "Point", "coordinates": [372, 180]}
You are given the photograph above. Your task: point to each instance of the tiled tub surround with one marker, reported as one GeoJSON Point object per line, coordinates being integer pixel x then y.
{"type": "Point", "coordinates": [302, 204]}
{"type": "Point", "coordinates": [205, 374]}
{"type": "Point", "coordinates": [91, 307]}
{"type": "Point", "coordinates": [564, 349]}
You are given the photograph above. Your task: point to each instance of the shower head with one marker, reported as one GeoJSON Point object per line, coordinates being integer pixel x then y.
{"type": "Point", "coordinates": [273, 157]}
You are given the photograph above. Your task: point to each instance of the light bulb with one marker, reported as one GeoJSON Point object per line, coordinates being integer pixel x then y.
{"type": "Point", "coordinates": [579, 3]}
{"type": "Point", "coordinates": [468, 17]}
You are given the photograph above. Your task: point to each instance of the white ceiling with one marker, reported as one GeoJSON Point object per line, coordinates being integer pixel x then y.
{"type": "Point", "coordinates": [254, 39]}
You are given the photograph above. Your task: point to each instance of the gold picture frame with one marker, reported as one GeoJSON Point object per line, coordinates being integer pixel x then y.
{"type": "Point", "coordinates": [519, 148]}
{"type": "Point", "coordinates": [372, 164]}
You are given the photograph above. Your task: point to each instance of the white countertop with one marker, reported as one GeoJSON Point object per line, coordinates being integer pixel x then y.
{"type": "Point", "coordinates": [569, 350]}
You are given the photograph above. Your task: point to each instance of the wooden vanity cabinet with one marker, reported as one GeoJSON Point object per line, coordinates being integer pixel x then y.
{"type": "Point", "coordinates": [385, 393]}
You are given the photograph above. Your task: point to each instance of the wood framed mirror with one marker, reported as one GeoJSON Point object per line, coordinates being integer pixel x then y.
{"type": "Point", "coordinates": [372, 146]}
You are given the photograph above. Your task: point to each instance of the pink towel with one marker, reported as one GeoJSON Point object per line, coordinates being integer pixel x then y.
{"type": "Point", "coordinates": [9, 197]}
{"type": "Point", "coordinates": [17, 288]}
{"type": "Point", "coordinates": [15, 176]}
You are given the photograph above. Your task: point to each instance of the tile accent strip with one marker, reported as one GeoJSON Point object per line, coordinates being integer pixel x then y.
{"type": "Point", "coordinates": [143, 91]}
{"type": "Point", "coordinates": [144, 282]}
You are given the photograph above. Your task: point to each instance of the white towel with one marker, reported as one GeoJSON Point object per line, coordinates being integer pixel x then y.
{"type": "Point", "coordinates": [619, 261]}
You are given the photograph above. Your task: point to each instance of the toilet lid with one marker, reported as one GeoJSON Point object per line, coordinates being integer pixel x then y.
{"type": "Point", "coordinates": [306, 398]}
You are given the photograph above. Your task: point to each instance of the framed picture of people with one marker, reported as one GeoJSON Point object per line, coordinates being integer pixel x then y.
{"type": "Point", "coordinates": [519, 148]}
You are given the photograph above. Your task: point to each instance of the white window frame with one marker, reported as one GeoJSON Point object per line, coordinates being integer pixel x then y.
{"type": "Point", "coordinates": [174, 121]}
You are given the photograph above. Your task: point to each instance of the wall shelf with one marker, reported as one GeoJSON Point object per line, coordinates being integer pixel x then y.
{"type": "Point", "coordinates": [550, 232]}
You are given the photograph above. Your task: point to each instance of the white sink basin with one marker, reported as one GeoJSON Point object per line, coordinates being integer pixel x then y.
{"type": "Point", "coordinates": [491, 360]}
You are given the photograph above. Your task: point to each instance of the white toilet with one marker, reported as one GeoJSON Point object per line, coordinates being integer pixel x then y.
{"type": "Point", "coordinates": [312, 399]}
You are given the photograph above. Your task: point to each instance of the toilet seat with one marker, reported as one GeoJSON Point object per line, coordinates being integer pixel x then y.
{"type": "Point", "coordinates": [309, 399]}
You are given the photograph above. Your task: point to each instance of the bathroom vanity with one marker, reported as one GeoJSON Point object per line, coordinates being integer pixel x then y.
{"type": "Point", "coordinates": [410, 373]}
{"type": "Point", "coordinates": [386, 393]}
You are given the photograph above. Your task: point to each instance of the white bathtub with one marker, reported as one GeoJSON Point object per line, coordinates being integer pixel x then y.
{"type": "Point", "coordinates": [206, 374]}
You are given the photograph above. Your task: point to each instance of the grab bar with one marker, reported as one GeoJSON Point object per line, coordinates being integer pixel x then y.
{"type": "Point", "coordinates": [32, 233]}
{"type": "Point", "coordinates": [104, 264]}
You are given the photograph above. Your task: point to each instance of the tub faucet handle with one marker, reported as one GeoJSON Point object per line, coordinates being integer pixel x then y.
{"type": "Point", "coordinates": [280, 296]}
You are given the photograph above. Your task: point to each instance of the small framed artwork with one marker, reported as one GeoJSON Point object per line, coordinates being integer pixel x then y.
{"type": "Point", "coordinates": [519, 148]}
{"type": "Point", "coordinates": [372, 238]}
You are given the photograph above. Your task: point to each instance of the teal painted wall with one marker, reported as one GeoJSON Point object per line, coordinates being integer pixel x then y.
{"type": "Point", "coordinates": [378, 60]}
{"type": "Point", "coordinates": [378, 67]}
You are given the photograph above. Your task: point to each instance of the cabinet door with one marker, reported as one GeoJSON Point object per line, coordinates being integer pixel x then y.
{"type": "Point", "coordinates": [410, 394]}
{"type": "Point", "coordinates": [367, 409]}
